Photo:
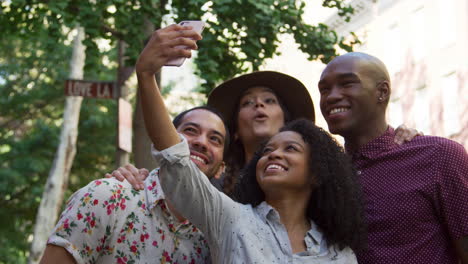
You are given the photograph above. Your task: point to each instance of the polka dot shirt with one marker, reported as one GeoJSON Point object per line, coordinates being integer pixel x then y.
{"type": "Point", "coordinates": [416, 199]}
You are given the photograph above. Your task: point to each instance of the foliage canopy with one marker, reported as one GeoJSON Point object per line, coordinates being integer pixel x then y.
{"type": "Point", "coordinates": [34, 55]}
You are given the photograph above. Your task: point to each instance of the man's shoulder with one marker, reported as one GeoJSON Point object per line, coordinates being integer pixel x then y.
{"type": "Point", "coordinates": [105, 189]}
{"type": "Point", "coordinates": [436, 149]}
{"type": "Point", "coordinates": [106, 185]}
{"type": "Point", "coordinates": [435, 142]}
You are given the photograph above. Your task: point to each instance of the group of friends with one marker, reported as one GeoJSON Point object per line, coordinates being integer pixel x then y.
{"type": "Point", "coordinates": [250, 178]}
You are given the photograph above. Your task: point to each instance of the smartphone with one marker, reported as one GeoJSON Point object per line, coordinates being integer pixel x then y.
{"type": "Point", "coordinates": [196, 25]}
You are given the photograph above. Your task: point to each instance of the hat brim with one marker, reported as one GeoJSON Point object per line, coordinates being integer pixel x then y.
{"type": "Point", "coordinates": [292, 93]}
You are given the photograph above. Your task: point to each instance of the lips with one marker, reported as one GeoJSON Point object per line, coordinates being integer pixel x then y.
{"type": "Point", "coordinates": [260, 116]}
{"type": "Point", "coordinates": [338, 110]}
{"type": "Point", "coordinates": [275, 167]}
{"type": "Point", "coordinates": [198, 158]}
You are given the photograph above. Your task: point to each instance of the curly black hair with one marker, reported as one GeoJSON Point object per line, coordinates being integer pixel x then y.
{"type": "Point", "coordinates": [335, 203]}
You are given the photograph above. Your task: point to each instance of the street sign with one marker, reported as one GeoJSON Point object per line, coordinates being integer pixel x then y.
{"type": "Point", "coordinates": [91, 89]}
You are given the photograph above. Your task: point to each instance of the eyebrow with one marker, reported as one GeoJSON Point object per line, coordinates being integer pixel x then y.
{"type": "Point", "coordinates": [347, 75]}
{"type": "Point", "coordinates": [290, 142]}
{"type": "Point", "coordinates": [198, 126]}
{"type": "Point", "coordinates": [264, 89]}
{"type": "Point", "coordinates": [294, 142]}
{"type": "Point", "coordinates": [342, 76]}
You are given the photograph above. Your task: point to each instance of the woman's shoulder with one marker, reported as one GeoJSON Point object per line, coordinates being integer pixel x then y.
{"type": "Point", "coordinates": [342, 256]}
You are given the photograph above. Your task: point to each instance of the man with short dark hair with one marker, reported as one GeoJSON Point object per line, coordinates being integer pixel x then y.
{"type": "Point", "coordinates": [415, 194]}
{"type": "Point", "coordinates": [109, 222]}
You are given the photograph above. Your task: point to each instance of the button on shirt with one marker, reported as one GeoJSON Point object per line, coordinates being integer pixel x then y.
{"type": "Point", "coordinates": [416, 199]}
{"type": "Point", "coordinates": [109, 222]}
{"type": "Point", "coordinates": [236, 233]}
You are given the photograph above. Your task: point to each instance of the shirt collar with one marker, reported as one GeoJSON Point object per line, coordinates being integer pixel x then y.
{"type": "Point", "coordinates": [266, 211]}
{"type": "Point", "coordinates": [315, 233]}
{"type": "Point", "coordinates": [154, 192]}
{"type": "Point", "coordinates": [375, 146]}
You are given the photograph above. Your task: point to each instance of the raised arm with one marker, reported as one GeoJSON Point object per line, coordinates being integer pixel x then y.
{"type": "Point", "coordinates": [159, 50]}
{"type": "Point", "coordinates": [184, 184]}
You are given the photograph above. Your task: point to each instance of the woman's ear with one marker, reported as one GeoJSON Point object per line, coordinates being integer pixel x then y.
{"type": "Point", "coordinates": [221, 170]}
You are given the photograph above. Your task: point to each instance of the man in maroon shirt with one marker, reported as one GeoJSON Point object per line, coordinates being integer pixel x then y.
{"type": "Point", "coordinates": [416, 194]}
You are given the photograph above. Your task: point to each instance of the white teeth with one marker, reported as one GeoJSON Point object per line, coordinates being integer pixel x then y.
{"type": "Point", "coordinates": [197, 158]}
{"type": "Point", "coordinates": [274, 166]}
{"type": "Point", "coordinates": [338, 110]}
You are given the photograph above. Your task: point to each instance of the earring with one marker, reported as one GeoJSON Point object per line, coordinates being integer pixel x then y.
{"type": "Point", "coordinates": [380, 99]}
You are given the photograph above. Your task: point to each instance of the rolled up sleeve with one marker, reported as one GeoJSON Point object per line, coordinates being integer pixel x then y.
{"type": "Point", "coordinates": [192, 194]}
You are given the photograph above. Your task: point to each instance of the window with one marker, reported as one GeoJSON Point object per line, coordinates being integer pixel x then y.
{"type": "Point", "coordinates": [450, 104]}
{"type": "Point", "coordinates": [393, 48]}
{"type": "Point", "coordinates": [447, 23]}
{"type": "Point", "coordinates": [418, 34]}
{"type": "Point", "coordinates": [395, 113]}
{"type": "Point", "coordinates": [421, 110]}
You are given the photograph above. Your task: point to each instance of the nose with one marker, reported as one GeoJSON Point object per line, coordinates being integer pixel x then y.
{"type": "Point", "coordinates": [259, 103]}
{"type": "Point", "coordinates": [334, 95]}
{"type": "Point", "coordinates": [275, 154]}
{"type": "Point", "coordinates": [200, 143]}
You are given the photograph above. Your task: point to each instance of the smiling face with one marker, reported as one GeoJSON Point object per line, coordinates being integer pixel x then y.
{"type": "Point", "coordinates": [349, 96]}
{"type": "Point", "coordinates": [284, 163]}
{"type": "Point", "coordinates": [205, 133]}
{"type": "Point", "coordinates": [260, 115]}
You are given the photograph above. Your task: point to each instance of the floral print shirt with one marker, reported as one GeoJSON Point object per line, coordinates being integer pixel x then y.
{"type": "Point", "coordinates": [109, 222]}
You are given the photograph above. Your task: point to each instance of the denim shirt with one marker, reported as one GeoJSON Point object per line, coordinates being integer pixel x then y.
{"type": "Point", "coordinates": [236, 233]}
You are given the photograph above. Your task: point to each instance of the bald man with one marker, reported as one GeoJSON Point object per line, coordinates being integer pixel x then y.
{"type": "Point", "coordinates": [416, 194]}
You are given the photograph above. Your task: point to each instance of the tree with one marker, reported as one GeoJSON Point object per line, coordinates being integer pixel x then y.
{"type": "Point", "coordinates": [58, 176]}
{"type": "Point", "coordinates": [239, 35]}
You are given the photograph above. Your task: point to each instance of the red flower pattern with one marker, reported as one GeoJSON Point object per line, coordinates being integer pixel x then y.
{"type": "Point", "coordinates": [102, 221]}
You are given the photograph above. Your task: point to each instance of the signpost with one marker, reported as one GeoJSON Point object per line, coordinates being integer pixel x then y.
{"type": "Point", "coordinates": [108, 90]}
{"type": "Point", "coordinates": [111, 90]}
{"type": "Point", "coordinates": [92, 89]}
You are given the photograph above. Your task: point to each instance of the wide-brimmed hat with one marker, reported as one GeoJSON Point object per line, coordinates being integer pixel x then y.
{"type": "Point", "coordinates": [290, 91]}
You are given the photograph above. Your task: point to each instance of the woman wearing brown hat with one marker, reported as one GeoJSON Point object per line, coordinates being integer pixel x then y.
{"type": "Point", "coordinates": [308, 210]}
{"type": "Point", "coordinates": [256, 106]}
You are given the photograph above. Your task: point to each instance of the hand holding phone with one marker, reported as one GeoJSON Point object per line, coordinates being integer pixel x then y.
{"type": "Point", "coordinates": [197, 26]}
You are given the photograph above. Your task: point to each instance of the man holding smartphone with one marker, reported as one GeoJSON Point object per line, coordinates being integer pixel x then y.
{"type": "Point", "coordinates": [109, 222]}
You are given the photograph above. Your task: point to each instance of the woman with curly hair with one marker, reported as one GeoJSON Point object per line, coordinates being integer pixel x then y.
{"type": "Point", "coordinates": [334, 199]}
{"type": "Point", "coordinates": [299, 201]}
{"type": "Point", "coordinates": [256, 106]}
{"type": "Point", "coordinates": [307, 214]}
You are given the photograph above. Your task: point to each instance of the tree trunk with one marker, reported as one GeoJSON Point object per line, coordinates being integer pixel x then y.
{"type": "Point", "coordinates": [58, 176]}
{"type": "Point", "coordinates": [122, 157]}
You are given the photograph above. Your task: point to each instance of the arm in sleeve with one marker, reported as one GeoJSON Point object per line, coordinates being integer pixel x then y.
{"type": "Point", "coordinates": [87, 222]}
{"type": "Point", "coordinates": [192, 194]}
{"type": "Point", "coordinates": [453, 194]}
